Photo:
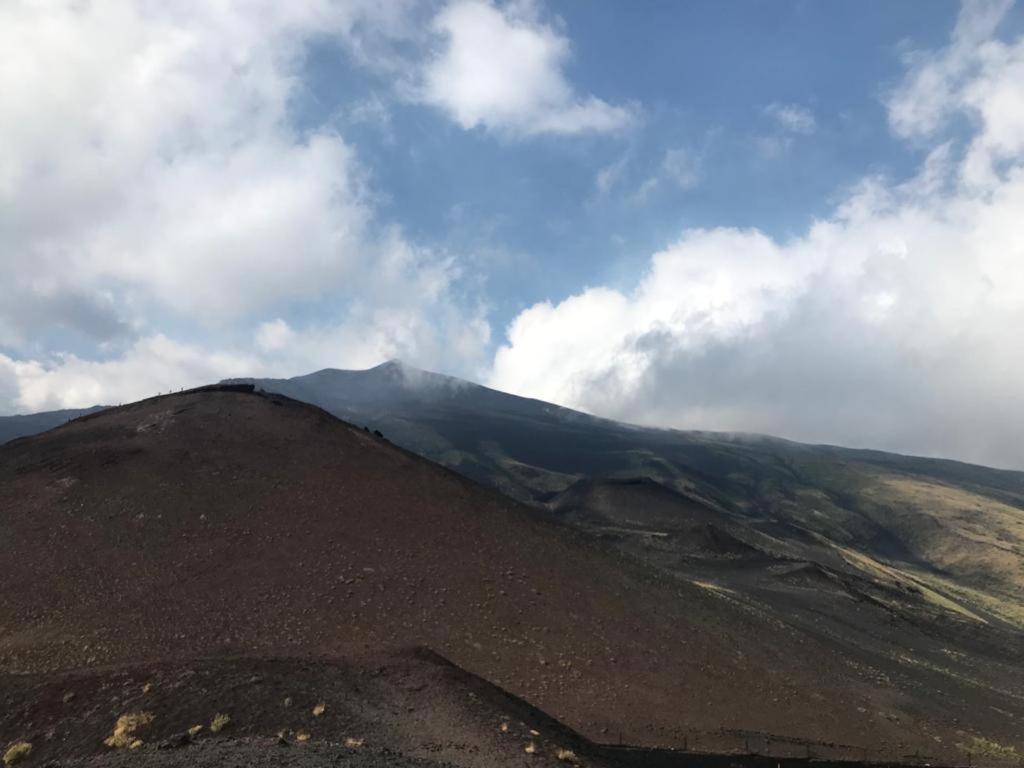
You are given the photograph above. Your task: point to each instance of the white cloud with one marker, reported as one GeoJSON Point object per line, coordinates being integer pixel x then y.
{"type": "Point", "coordinates": [792, 117]}
{"type": "Point", "coordinates": [152, 177]}
{"type": "Point", "coordinates": [153, 364]}
{"type": "Point", "coordinates": [148, 148]}
{"type": "Point", "coordinates": [976, 75]}
{"type": "Point", "coordinates": [502, 69]}
{"type": "Point", "coordinates": [890, 324]}
{"type": "Point", "coordinates": [274, 335]}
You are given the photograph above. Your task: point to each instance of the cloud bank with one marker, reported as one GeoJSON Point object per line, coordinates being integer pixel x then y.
{"type": "Point", "coordinates": [157, 199]}
{"type": "Point", "coordinates": [892, 323]}
{"type": "Point", "coordinates": [164, 222]}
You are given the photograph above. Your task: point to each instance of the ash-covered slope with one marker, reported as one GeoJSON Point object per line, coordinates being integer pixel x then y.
{"type": "Point", "coordinates": [216, 522]}
{"type": "Point", "coordinates": [405, 709]}
{"type": "Point", "coordinates": [955, 529]}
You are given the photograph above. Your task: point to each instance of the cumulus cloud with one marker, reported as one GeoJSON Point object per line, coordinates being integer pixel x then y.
{"type": "Point", "coordinates": [152, 364]}
{"type": "Point", "coordinates": [501, 68]}
{"type": "Point", "coordinates": [977, 76]}
{"type": "Point", "coordinates": [152, 176]}
{"type": "Point", "coordinates": [149, 150]}
{"type": "Point", "coordinates": [889, 324]}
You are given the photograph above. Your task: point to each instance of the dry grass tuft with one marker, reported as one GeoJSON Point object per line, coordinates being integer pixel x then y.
{"type": "Point", "coordinates": [302, 736]}
{"type": "Point", "coordinates": [220, 722]}
{"type": "Point", "coordinates": [17, 752]}
{"type": "Point", "coordinates": [567, 756]}
{"type": "Point", "coordinates": [352, 743]}
{"type": "Point", "coordinates": [979, 745]}
{"type": "Point", "coordinates": [123, 736]}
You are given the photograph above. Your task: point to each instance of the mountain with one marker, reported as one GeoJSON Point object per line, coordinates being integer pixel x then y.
{"type": "Point", "coordinates": [953, 532]}
{"type": "Point", "coordinates": [228, 524]}
{"type": "Point", "coordinates": [12, 427]}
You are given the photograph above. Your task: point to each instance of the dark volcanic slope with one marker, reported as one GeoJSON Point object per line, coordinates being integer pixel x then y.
{"type": "Point", "coordinates": [12, 427]}
{"type": "Point", "coordinates": [407, 709]}
{"type": "Point", "coordinates": [955, 529]}
{"type": "Point", "coordinates": [229, 523]}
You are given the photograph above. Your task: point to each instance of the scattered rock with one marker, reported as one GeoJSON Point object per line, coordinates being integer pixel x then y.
{"type": "Point", "coordinates": [176, 741]}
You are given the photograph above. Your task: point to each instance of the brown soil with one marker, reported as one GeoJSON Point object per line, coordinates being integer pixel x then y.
{"type": "Point", "coordinates": [224, 523]}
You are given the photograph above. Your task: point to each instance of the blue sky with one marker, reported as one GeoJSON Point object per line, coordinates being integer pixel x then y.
{"type": "Point", "coordinates": [786, 217]}
{"type": "Point", "coordinates": [701, 76]}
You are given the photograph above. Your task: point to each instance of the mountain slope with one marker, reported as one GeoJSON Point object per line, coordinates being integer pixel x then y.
{"type": "Point", "coordinates": [408, 708]}
{"type": "Point", "coordinates": [13, 427]}
{"type": "Point", "coordinates": [954, 529]}
{"type": "Point", "coordinates": [227, 523]}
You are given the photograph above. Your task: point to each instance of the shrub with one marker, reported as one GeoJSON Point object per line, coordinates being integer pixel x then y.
{"type": "Point", "coordinates": [123, 736]}
{"type": "Point", "coordinates": [982, 746]}
{"type": "Point", "coordinates": [18, 751]}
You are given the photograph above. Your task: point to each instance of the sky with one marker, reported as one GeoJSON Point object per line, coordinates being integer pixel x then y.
{"type": "Point", "coordinates": [795, 217]}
